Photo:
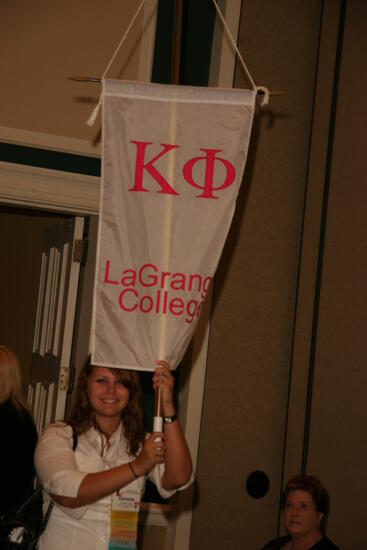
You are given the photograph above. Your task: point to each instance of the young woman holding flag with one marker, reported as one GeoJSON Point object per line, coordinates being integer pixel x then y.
{"type": "Point", "coordinates": [97, 488]}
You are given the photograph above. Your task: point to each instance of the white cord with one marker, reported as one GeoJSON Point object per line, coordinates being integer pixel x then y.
{"type": "Point", "coordinates": [91, 120]}
{"type": "Point", "coordinates": [265, 92]}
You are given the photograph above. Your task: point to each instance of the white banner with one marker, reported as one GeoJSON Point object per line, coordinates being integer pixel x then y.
{"type": "Point", "coordinates": [172, 163]}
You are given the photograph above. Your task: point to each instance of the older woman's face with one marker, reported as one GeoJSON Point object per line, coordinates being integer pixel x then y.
{"type": "Point", "coordinates": [300, 514]}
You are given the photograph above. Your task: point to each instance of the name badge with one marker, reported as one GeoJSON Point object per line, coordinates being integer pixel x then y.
{"type": "Point", "coordinates": [125, 505]}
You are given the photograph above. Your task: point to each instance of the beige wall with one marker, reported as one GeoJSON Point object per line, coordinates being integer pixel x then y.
{"type": "Point", "coordinates": [46, 43]}
{"type": "Point", "coordinates": [266, 317]}
{"type": "Point", "coordinates": [338, 435]}
{"type": "Point", "coordinates": [245, 402]}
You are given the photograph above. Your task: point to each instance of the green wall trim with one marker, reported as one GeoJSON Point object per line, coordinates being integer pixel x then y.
{"type": "Point", "coordinates": [55, 160]}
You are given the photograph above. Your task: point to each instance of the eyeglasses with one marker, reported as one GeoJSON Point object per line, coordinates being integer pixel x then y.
{"type": "Point", "coordinates": [300, 507]}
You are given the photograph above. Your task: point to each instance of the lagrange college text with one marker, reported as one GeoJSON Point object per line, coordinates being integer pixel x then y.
{"type": "Point", "coordinates": [149, 290]}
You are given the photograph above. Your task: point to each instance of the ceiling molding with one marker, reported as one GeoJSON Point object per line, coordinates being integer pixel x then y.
{"type": "Point", "coordinates": [44, 189]}
{"type": "Point", "coordinates": [27, 138]}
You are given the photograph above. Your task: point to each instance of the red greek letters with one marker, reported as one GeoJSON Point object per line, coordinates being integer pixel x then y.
{"type": "Point", "coordinates": [209, 160]}
{"type": "Point", "coordinates": [140, 166]}
{"type": "Point", "coordinates": [208, 186]}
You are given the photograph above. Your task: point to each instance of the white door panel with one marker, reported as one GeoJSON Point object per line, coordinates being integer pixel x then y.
{"type": "Point", "coordinates": [57, 297]}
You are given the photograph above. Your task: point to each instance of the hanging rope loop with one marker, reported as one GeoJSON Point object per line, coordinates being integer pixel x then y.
{"type": "Point", "coordinates": [91, 120]}
{"type": "Point", "coordinates": [264, 95]}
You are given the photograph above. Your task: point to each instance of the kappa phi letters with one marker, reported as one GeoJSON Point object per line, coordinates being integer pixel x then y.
{"type": "Point", "coordinates": [150, 290]}
{"type": "Point", "coordinates": [209, 158]}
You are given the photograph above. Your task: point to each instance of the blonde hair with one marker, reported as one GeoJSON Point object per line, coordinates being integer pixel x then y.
{"type": "Point", "coordinates": [10, 379]}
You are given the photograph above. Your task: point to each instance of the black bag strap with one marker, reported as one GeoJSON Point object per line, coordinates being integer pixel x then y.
{"type": "Point", "coordinates": [16, 510]}
{"type": "Point", "coordinates": [75, 438]}
{"type": "Point", "coordinates": [52, 504]}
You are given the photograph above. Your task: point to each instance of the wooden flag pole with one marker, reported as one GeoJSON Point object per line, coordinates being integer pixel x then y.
{"type": "Point", "coordinates": [175, 79]}
{"type": "Point", "coordinates": [98, 80]}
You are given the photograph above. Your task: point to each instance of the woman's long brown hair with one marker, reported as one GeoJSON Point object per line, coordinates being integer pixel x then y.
{"type": "Point", "coordinates": [82, 417]}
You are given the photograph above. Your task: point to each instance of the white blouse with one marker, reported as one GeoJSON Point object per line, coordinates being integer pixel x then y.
{"type": "Point", "coordinates": [61, 470]}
